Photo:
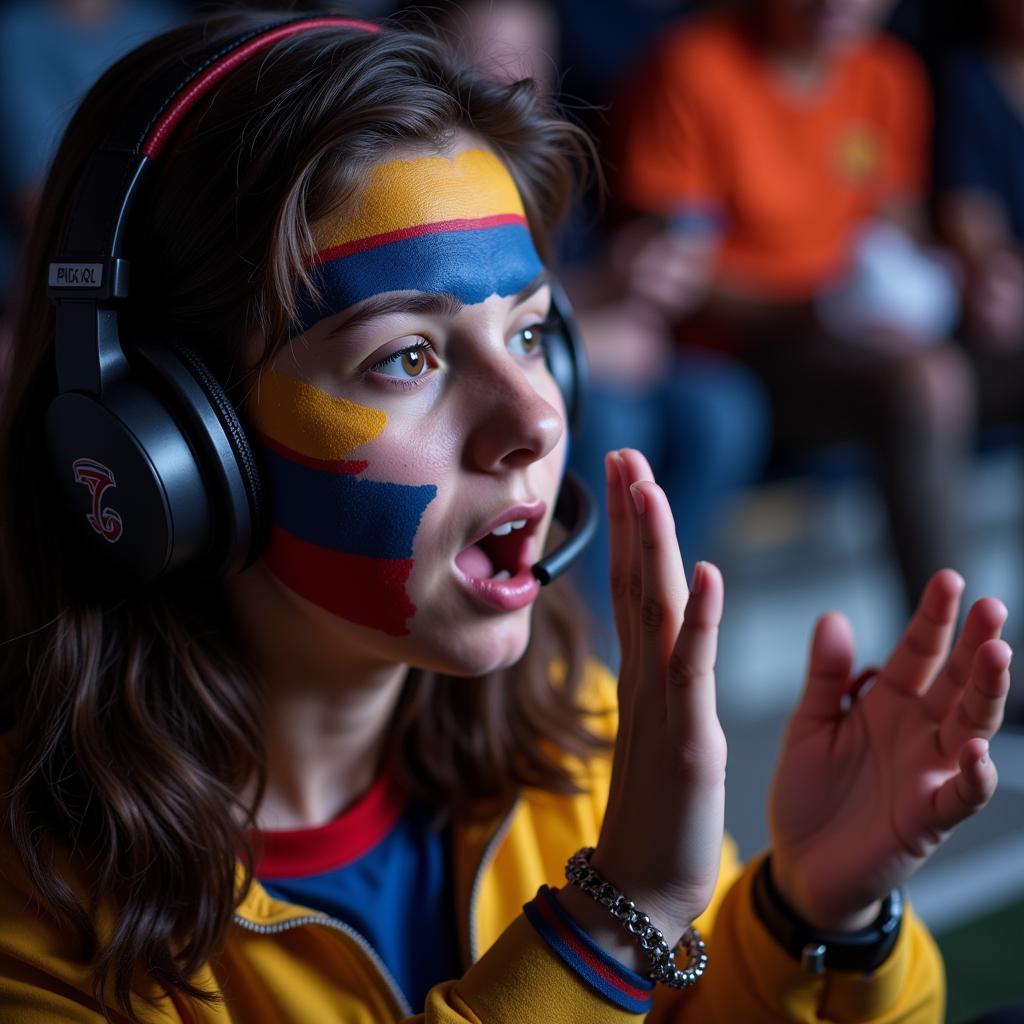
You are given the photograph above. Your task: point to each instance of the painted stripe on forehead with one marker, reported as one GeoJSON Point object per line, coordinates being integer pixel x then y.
{"type": "Point", "coordinates": [401, 194]}
{"type": "Point", "coordinates": [310, 421]}
{"type": "Point", "coordinates": [339, 512]}
{"type": "Point", "coordinates": [470, 262]}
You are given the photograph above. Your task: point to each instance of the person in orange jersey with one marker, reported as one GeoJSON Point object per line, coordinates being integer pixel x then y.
{"type": "Point", "coordinates": [777, 158]}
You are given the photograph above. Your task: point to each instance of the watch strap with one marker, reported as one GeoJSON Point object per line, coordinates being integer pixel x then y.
{"type": "Point", "coordinates": [817, 950]}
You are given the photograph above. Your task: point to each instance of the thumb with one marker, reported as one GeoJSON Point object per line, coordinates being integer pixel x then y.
{"type": "Point", "coordinates": [828, 669]}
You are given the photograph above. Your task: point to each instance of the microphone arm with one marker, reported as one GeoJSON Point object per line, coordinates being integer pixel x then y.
{"type": "Point", "coordinates": [576, 511]}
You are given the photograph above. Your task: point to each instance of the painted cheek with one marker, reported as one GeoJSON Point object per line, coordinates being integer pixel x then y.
{"type": "Point", "coordinates": [338, 539]}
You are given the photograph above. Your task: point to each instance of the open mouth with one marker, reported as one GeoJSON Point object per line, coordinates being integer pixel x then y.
{"type": "Point", "coordinates": [500, 554]}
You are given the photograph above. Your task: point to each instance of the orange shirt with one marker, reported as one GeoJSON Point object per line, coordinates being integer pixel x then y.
{"type": "Point", "coordinates": [712, 129]}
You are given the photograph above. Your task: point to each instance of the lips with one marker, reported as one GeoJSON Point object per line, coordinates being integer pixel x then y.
{"type": "Point", "coordinates": [496, 565]}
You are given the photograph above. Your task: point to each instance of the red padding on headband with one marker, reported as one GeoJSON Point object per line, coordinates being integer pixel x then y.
{"type": "Point", "coordinates": [183, 103]}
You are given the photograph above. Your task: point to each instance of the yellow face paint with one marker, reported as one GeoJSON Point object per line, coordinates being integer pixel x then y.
{"type": "Point", "coordinates": [309, 421]}
{"type": "Point", "coordinates": [402, 194]}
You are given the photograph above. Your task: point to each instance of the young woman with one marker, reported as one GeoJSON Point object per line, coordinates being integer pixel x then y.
{"type": "Point", "coordinates": [324, 788]}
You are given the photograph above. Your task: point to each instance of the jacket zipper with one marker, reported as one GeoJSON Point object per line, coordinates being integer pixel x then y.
{"type": "Point", "coordinates": [488, 855]}
{"type": "Point", "coordinates": [333, 922]}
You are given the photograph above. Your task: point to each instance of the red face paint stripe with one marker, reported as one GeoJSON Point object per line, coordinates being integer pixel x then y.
{"type": "Point", "coordinates": [336, 252]}
{"type": "Point", "coordinates": [367, 591]}
{"type": "Point", "coordinates": [347, 467]}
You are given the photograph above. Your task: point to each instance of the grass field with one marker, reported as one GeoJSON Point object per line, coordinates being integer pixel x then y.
{"type": "Point", "coordinates": [984, 962]}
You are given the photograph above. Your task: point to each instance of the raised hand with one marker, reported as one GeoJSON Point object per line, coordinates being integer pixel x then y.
{"type": "Point", "coordinates": [661, 838]}
{"type": "Point", "coordinates": [870, 783]}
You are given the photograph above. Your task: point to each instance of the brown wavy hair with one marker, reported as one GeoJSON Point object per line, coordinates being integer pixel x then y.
{"type": "Point", "coordinates": [137, 724]}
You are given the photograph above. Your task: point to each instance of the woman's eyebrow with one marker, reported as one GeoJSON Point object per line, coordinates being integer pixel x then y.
{"type": "Point", "coordinates": [430, 303]}
{"type": "Point", "coordinates": [543, 278]}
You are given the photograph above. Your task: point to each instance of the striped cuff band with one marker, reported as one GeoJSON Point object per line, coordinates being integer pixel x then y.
{"type": "Point", "coordinates": [623, 987]}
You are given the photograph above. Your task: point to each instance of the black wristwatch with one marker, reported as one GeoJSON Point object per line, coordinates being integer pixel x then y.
{"type": "Point", "coordinates": [817, 950]}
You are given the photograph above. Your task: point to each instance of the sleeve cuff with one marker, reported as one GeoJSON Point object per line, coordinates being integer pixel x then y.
{"type": "Point", "coordinates": [624, 988]}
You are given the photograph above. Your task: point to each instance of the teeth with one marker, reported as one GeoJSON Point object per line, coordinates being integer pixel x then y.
{"type": "Point", "coordinates": [506, 528]}
{"type": "Point", "coordinates": [503, 575]}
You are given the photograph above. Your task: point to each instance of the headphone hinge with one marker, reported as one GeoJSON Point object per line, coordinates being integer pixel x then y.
{"type": "Point", "coordinates": [89, 353]}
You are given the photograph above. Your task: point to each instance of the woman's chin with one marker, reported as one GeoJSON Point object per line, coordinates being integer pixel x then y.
{"type": "Point", "coordinates": [481, 650]}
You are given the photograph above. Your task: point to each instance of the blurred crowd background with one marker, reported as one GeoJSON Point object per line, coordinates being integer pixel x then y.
{"type": "Point", "coordinates": [799, 274]}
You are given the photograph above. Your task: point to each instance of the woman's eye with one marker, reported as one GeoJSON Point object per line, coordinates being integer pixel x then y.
{"type": "Point", "coordinates": [527, 341]}
{"type": "Point", "coordinates": [406, 364]}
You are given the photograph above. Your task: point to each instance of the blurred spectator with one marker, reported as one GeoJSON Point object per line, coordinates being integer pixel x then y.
{"type": "Point", "coordinates": [782, 148]}
{"type": "Point", "coordinates": [981, 206]}
{"type": "Point", "coordinates": [51, 51]}
{"type": "Point", "coordinates": [981, 209]}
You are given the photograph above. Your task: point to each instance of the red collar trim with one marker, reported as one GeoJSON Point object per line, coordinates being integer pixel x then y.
{"type": "Point", "coordinates": [291, 853]}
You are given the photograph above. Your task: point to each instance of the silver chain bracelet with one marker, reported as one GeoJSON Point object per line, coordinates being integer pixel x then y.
{"type": "Point", "coordinates": [663, 964]}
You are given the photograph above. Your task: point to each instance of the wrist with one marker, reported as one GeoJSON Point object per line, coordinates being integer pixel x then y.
{"type": "Point", "coordinates": [602, 928]}
{"type": "Point", "coordinates": [669, 919]}
{"type": "Point", "coordinates": [581, 874]}
{"type": "Point", "coordinates": [819, 949]}
{"type": "Point", "coordinates": [815, 915]}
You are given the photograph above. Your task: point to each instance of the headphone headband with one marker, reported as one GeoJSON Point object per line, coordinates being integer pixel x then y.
{"type": "Point", "coordinates": [91, 263]}
{"type": "Point", "coordinates": [187, 93]}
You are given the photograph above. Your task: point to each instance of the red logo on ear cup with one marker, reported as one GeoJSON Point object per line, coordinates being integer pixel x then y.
{"type": "Point", "coordinates": [105, 521]}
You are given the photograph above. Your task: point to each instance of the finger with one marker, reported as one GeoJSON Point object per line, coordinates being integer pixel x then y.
{"type": "Point", "coordinates": [664, 583]}
{"type": "Point", "coordinates": [635, 469]}
{"type": "Point", "coordinates": [925, 643]}
{"type": "Point", "coordinates": [979, 712]}
{"type": "Point", "coordinates": [966, 792]}
{"type": "Point", "coordinates": [984, 622]}
{"type": "Point", "coordinates": [691, 668]}
{"type": "Point", "coordinates": [619, 541]}
{"type": "Point", "coordinates": [829, 669]}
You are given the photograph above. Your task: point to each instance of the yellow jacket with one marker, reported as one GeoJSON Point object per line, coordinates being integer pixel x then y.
{"type": "Point", "coordinates": [284, 964]}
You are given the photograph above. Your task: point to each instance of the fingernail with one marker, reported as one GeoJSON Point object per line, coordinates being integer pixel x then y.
{"type": "Point", "coordinates": [699, 578]}
{"type": "Point", "coordinates": [638, 499]}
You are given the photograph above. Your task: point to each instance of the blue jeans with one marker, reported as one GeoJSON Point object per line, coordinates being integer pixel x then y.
{"type": "Point", "coordinates": [705, 429]}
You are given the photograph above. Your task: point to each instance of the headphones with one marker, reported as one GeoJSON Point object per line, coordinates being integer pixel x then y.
{"type": "Point", "coordinates": [152, 461]}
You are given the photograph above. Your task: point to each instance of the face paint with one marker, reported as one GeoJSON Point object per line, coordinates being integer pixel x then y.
{"type": "Point", "coordinates": [342, 542]}
{"type": "Point", "coordinates": [432, 224]}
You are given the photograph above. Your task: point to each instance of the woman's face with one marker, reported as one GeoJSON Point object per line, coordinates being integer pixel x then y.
{"type": "Point", "coordinates": [413, 436]}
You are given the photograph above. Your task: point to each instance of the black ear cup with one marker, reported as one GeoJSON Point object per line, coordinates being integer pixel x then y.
{"type": "Point", "coordinates": [564, 355]}
{"type": "Point", "coordinates": [221, 445]}
{"type": "Point", "coordinates": [158, 473]}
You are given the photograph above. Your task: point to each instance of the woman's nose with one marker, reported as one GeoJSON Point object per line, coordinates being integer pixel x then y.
{"type": "Point", "coordinates": [513, 423]}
